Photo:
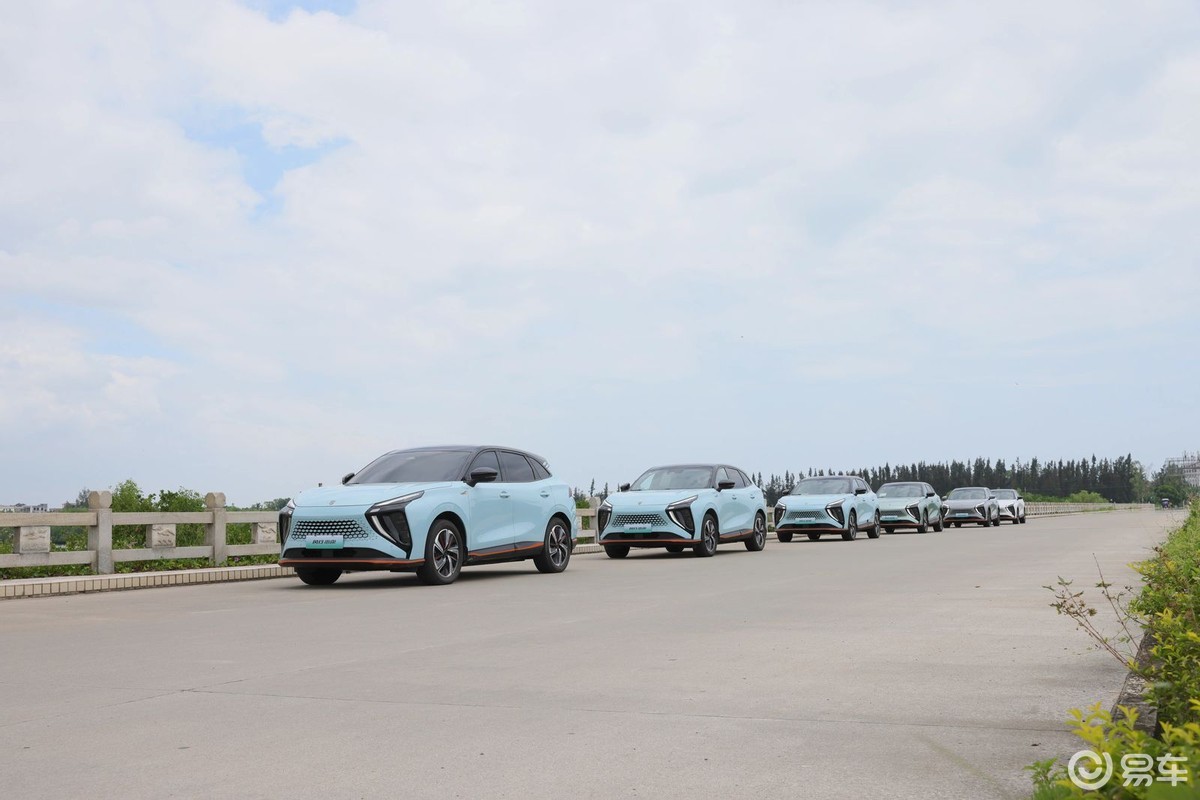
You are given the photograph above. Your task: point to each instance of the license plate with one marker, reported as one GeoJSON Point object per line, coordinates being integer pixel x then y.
{"type": "Point", "coordinates": [639, 528]}
{"type": "Point", "coordinates": [329, 541]}
{"type": "Point", "coordinates": [963, 514]}
{"type": "Point", "coordinates": [891, 516]}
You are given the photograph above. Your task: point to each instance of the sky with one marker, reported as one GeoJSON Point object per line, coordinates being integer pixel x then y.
{"type": "Point", "coordinates": [248, 247]}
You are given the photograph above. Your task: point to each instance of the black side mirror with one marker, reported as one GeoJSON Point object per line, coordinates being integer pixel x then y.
{"type": "Point", "coordinates": [624, 487]}
{"type": "Point", "coordinates": [931, 494]}
{"type": "Point", "coordinates": [723, 485]}
{"type": "Point", "coordinates": [346, 478]}
{"type": "Point", "coordinates": [483, 475]}
{"type": "Point", "coordinates": [860, 491]}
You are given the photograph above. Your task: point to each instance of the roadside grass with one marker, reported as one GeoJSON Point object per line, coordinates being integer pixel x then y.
{"type": "Point", "coordinates": [1168, 610]}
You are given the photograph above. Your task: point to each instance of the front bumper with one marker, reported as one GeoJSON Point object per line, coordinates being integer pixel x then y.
{"type": "Point", "coordinates": [346, 540]}
{"type": "Point", "coordinates": [1008, 513]}
{"type": "Point", "coordinates": [965, 515]}
{"type": "Point", "coordinates": [644, 529]}
{"type": "Point", "coordinates": [900, 517]}
{"type": "Point", "coordinates": [808, 520]}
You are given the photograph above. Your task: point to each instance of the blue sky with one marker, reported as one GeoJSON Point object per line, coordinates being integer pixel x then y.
{"type": "Point", "coordinates": [247, 247]}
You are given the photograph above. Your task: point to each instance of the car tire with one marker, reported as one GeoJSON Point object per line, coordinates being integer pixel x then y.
{"type": "Point", "coordinates": [814, 537]}
{"type": "Point", "coordinates": [889, 529]}
{"type": "Point", "coordinates": [758, 538]}
{"type": "Point", "coordinates": [674, 548]}
{"type": "Point", "coordinates": [318, 576]}
{"type": "Point", "coordinates": [710, 537]}
{"type": "Point", "coordinates": [874, 531]}
{"type": "Point", "coordinates": [1016, 520]}
{"type": "Point", "coordinates": [556, 548]}
{"type": "Point", "coordinates": [1022, 518]}
{"type": "Point", "coordinates": [851, 528]}
{"type": "Point", "coordinates": [924, 526]}
{"type": "Point", "coordinates": [939, 525]}
{"type": "Point", "coordinates": [443, 554]}
{"type": "Point", "coordinates": [616, 550]}
{"type": "Point", "coordinates": [958, 524]}
{"type": "Point", "coordinates": [996, 520]}
{"type": "Point", "coordinates": [784, 537]}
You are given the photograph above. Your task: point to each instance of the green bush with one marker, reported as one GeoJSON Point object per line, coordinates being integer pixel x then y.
{"type": "Point", "coordinates": [1170, 602]}
{"type": "Point", "coordinates": [1100, 733]}
{"type": "Point", "coordinates": [1169, 605]}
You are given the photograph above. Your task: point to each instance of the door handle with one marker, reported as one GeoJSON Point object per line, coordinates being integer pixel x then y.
{"type": "Point", "coordinates": [504, 494]}
{"type": "Point", "coordinates": [545, 494]}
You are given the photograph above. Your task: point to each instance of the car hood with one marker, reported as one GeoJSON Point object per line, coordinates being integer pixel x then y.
{"type": "Point", "coordinates": [360, 494]}
{"type": "Point", "coordinates": [964, 503]}
{"type": "Point", "coordinates": [651, 499]}
{"type": "Point", "coordinates": [889, 503]}
{"type": "Point", "coordinates": [811, 501]}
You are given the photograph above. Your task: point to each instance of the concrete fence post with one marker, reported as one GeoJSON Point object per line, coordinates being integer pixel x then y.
{"type": "Point", "coordinates": [214, 532]}
{"type": "Point", "coordinates": [100, 534]}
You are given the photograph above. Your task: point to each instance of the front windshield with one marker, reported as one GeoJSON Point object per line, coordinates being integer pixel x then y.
{"type": "Point", "coordinates": [901, 490]}
{"type": "Point", "coordinates": [968, 494]}
{"type": "Point", "coordinates": [823, 486]}
{"type": "Point", "coordinates": [1006, 494]}
{"type": "Point", "coordinates": [667, 478]}
{"type": "Point", "coordinates": [414, 466]}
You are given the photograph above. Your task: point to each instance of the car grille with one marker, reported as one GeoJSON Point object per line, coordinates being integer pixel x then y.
{"type": "Point", "coordinates": [348, 528]}
{"type": "Point", "coordinates": [639, 519]}
{"type": "Point", "coordinates": [806, 515]}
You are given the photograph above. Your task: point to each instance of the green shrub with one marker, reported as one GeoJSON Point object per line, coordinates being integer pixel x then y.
{"type": "Point", "coordinates": [1100, 733]}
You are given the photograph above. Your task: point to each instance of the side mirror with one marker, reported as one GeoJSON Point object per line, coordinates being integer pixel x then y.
{"type": "Point", "coordinates": [624, 487]}
{"type": "Point", "coordinates": [723, 485]}
{"type": "Point", "coordinates": [991, 496]}
{"type": "Point", "coordinates": [346, 478]}
{"type": "Point", "coordinates": [860, 491]}
{"type": "Point", "coordinates": [931, 494]}
{"type": "Point", "coordinates": [483, 475]}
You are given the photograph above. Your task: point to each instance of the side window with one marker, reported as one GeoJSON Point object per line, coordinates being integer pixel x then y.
{"type": "Point", "coordinates": [485, 459]}
{"type": "Point", "coordinates": [514, 468]}
{"type": "Point", "coordinates": [863, 485]}
{"type": "Point", "coordinates": [722, 475]}
{"type": "Point", "coordinates": [739, 478]}
{"type": "Point", "coordinates": [540, 473]}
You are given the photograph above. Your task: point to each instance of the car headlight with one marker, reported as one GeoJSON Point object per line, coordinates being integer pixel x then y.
{"type": "Point", "coordinates": [680, 513]}
{"type": "Point", "coordinates": [603, 515]}
{"type": "Point", "coordinates": [390, 521]}
{"type": "Point", "coordinates": [780, 510]}
{"type": "Point", "coordinates": [285, 522]}
{"type": "Point", "coordinates": [834, 510]}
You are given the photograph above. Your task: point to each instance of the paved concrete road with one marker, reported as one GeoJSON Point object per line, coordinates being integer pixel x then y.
{"type": "Point", "coordinates": [915, 666]}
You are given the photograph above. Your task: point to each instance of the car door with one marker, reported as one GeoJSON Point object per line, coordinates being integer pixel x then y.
{"type": "Point", "coordinates": [754, 498]}
{"type": "Point", "coordinates": [932, 505]}
{"type": "Point", "coordinates": [732, 511]}
{"type": "Point", "coordinates": [865, 504]}
{"type": "Point", "coordinates": [527, 520]}
{"type": "Point", "coordinates": [490, 529]}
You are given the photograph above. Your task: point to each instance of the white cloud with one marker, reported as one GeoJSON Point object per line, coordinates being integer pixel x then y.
{"type": "Point", "coordinates": [556, 226]}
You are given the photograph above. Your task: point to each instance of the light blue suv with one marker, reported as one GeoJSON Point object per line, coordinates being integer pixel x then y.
{"type": "Point", "coordinates": [431, 510]}
{"type": "Point", "coordinates": [697, 506]}
{"type": "Point", "coordinates": [842, 504]}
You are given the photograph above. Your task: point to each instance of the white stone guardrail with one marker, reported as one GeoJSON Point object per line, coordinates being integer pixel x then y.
{"type": "Point", "coordinates": [32, 547]}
